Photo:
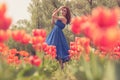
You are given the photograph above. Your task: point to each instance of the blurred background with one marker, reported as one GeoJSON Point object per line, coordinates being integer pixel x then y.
{"type": "Point", "coordinates": [36, 14]}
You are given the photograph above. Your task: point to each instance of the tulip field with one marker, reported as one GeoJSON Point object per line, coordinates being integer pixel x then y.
{"type": "Point", "coordinates": [94, 56]}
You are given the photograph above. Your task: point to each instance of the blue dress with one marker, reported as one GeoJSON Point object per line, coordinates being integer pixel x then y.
{"type": "Point", "coordinates": [57, 38]}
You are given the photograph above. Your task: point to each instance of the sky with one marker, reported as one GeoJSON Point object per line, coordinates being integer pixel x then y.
{"type": "Point", "coordinates": [17, 9]}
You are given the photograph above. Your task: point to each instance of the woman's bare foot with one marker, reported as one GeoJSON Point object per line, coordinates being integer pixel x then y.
{"type": "Point", "coordinates": [61, 64]}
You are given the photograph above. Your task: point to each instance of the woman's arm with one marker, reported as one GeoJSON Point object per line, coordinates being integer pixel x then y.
{"type": "Point", "coordinates": [53, 20]}
{"type": "Point", "coordinates": [54, 15]}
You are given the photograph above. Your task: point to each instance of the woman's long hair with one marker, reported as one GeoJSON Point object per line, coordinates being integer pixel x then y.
{"type": "Point", "coordinates": [68, 15]}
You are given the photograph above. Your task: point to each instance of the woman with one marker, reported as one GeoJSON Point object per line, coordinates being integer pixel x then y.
{"type": "Point", "coordinates": [56, 37]}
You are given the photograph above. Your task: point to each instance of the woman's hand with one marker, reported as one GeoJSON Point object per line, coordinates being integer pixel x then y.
{"type": "Point", "coordinates": [54, 10]}
{"type": "Point", "coordinates": [57, 10]}
{"type": "Point", "coordinates": [54, 15]}
{"type": "Point", "coordinates": [61, 7]}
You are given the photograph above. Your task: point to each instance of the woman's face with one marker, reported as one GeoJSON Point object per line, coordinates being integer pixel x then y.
{"type": "Point", "coordinates": [64, 11]}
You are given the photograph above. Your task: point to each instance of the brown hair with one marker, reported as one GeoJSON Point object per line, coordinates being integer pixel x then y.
{"type": "Point", "coordinates": [68, 15]}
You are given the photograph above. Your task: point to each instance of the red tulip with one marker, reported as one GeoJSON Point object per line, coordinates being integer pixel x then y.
{"type": "Point", "coordinates": [5, 23]}
{"type": "Point", "coordinates": [37, 40]}
{"type": "Point", "coordinates": [50, 50]}
{"type": "Point", "coordinates": [4, 20]}
{"type": "Point", "coordinates": [24, 53]}
{"type": "Point", "coordinates": [3, 8]}
{"type": "Point", "coordinates": [76, 24]}
{"type": "Point", "coordinates": [18, 35]}
{"type": "Point", "coordinates": [13, 51]}
{"type": "Point", "coordinates": [39, 32]}
{"type": "Point", "coordinates": [2, 47]}
{"type": "Point", "coordinates": [44, 45]}
{"type": "Point", "coordinates": [4, 35]}
{"type": "Point", "coordinates": [104, 17]}
{"type": "Point", "coordinates": [35, 60]}
{"type": "Point", "coordinates": [106, 40]}
{"type": "Point", "coordinates": [26, 38]}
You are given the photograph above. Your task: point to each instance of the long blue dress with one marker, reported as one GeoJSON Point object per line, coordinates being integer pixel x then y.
{"type": "Point", "coordinates": [57, 38]}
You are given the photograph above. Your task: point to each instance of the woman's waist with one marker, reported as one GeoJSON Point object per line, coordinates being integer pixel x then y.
{"type": "Point", "coordinates": [60, 27]}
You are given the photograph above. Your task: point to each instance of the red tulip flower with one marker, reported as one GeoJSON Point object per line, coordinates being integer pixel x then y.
{"type": "Point", "coordinates": [4, 35]}
{"type": "Point", "coordinates": [105, 18]}
{"type": "Point", "coordinates": [39, 32]}
{"type": "Point", "coordinates": [4, 20]}
{"type": "Point", "coordinates": [35, 60]}
{"type": "Point", "coordinates": [18, 35]}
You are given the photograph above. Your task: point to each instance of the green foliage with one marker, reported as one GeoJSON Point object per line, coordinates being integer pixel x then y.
{"type": "Point", "coordinates": [96, 68]}
{"type": "Point", "coordinates": [41, 11]}
{"type": "Point", "coordinates": [107, 3]}
{"type": "Point", "coordinates": [6, 72]}
{"type": "Point", "coordinates": [17, 45]}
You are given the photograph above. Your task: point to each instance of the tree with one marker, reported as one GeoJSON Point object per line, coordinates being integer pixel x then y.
{"type": "Point", "coordinates": [40, 11]}
{"type": "Point", "coordinates": [33, 9]}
